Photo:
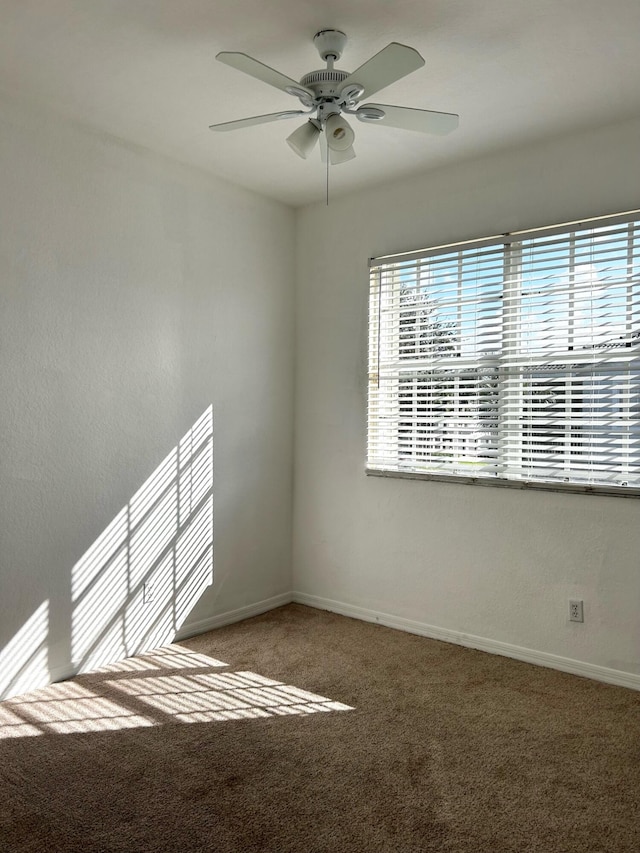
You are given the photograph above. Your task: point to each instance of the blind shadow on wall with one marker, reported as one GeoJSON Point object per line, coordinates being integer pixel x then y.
{"type": "Point", "coordinates": [136, 584]}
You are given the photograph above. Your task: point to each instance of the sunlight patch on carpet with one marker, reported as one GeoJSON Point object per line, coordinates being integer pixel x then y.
{"type": "Point", "coordinates": [136, 693]}
{"type": "Point", "coordinates": [231, 696]}
{"type": "Point", "coordinates": [66, 708]}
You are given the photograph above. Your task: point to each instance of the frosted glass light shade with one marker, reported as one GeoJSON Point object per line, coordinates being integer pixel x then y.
{"type": "Point", "coordinates": [303, 139]}
{"type": "Point", "coordinates": [339, 134]}
{"type": "Point", "coordinates": [337, 157]}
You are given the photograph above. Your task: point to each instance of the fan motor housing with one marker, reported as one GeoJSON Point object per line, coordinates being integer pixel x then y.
{"type": "Point", "coordinates": [324, 83]}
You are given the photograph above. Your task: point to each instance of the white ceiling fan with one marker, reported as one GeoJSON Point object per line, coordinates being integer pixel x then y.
{"type": "Point", "coordinates": [327, 95]}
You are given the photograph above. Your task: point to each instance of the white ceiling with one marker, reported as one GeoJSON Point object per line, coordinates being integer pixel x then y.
{"type": "Point", "coordinates": [145, 71]}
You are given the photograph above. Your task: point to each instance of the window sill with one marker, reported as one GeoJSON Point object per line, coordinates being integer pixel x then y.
{"type": "Point", "coordinates": [529, 485]}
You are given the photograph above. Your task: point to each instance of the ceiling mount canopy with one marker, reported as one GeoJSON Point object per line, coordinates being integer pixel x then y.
{"type": "Point", "coordinates": [328, 94]}
{"type": "Point", "coordinates": [330, 44]}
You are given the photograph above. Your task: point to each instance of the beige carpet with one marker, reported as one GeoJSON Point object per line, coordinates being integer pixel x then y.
{"type": "Point", "coordinates": [303, 731]}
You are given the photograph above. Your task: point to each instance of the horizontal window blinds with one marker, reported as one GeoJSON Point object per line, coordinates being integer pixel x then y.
{"type": "Point", "coordinates": [516, 358]}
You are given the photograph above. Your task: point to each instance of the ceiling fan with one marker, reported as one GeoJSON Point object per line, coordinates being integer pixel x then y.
{"type": "Point", "coordinates": [327, 95]}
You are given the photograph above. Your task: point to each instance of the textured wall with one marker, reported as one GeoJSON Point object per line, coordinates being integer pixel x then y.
{"type": "Point", "coordinates": [496, 563]}
{"type": "Point", "coordinates": [135, 294]}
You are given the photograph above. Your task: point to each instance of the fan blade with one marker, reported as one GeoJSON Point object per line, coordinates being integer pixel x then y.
{"type": "Point", "coordinates": [249, 122]}
{"type": "Point", "coordinates": [391, 63]}
{"type": "Point", "coordinates": [260, 71]}
{"type": "Point", "coordinates": [407, 118]}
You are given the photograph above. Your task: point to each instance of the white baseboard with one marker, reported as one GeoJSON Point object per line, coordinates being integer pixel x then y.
{"type": "Point", "coordinates": [62, 673]}
{"type": "Point", "coordinates": [192, 629]}
{"type": "Point", "coordinates": [575, 667]}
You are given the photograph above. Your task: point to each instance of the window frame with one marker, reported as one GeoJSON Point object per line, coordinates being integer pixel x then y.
{"type": "Point", "coordinates": [511, 294]}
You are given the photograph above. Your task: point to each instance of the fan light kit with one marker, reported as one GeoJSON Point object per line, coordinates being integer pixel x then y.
{"type": "Point", "coordinates": [328, 95]}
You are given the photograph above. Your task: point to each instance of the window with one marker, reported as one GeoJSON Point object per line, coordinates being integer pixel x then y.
{"type": "Point", "coordinates": [511, 360]}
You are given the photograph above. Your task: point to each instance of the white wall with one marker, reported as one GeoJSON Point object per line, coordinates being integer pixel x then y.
{"type": "Point", "coordinates": [492, 562]}
{"type": "Point", "coordinates": [134, 294]}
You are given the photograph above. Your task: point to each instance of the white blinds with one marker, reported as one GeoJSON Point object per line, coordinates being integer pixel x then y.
{"type": "Point", "coordinates": [516, 358]}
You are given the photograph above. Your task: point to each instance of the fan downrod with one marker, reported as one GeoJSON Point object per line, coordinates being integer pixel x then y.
{"type": "Point", "coordinates": [330, 44]}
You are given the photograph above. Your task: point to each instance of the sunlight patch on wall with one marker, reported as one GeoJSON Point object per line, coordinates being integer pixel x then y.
{"type": "Point", "coordinates": [23, 661]}
{"type": "Point", "coordinates": [138, 582]}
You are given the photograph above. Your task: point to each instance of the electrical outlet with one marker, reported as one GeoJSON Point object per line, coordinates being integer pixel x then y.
{"type": "Point", "coordinates": [576, 610]}
{"type": "Point", "coordinates": [148, 592]}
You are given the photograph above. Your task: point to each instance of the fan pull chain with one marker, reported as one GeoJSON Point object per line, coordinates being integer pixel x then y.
{"type": "Point", "coordinates": [328, 159]}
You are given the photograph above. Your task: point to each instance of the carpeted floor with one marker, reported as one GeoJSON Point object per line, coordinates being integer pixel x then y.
{"type": "Point", "coordinates": [301, 731]}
